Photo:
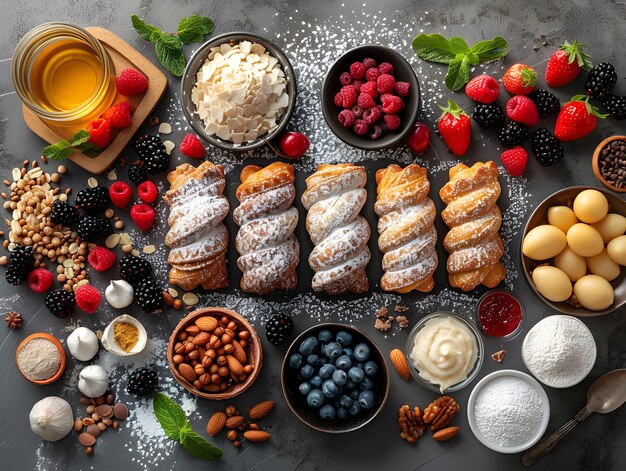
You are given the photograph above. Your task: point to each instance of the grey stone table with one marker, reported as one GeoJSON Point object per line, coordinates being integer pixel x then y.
{"type": "Point", "coordinates": [313, 34]}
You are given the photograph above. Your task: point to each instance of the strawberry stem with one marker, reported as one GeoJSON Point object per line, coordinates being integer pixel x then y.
{"type": "Point", "coordinates": [575, 52]}
{"type": "Point", "coordinates": [590, 108]}
{"type": "Point", "coordinates": [453, 109]}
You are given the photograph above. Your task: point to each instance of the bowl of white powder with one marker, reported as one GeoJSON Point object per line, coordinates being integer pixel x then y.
{"type": "Point", "coordinates": [508, 411]}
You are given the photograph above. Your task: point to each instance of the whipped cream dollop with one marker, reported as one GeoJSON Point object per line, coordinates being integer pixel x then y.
{"type": "Point", "coordinates": [119, 294]}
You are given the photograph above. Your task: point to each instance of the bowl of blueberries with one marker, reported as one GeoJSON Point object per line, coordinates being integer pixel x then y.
{"type": "Point", "coordinates": [334, 378]}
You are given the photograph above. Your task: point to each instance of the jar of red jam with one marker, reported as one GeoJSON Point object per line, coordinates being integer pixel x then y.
{"type": "Point", "coordinates": [500, 314]}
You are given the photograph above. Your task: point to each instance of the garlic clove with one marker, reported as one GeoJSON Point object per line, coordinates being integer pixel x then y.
{"type": "Point", "coordinates": [83, 344]}
{"type": "Point", "coordinates": [93, 381]}
{"type": "Point", "coordinates": [111, 345]}
{"type": "Point", "coordinates": [51, 418]}
{"type": "Point", "coordinates": [119, 294]}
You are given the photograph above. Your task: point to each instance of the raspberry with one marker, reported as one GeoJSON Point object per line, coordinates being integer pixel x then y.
{"type": "Point", "coordinates": [88, 298]}
{"type": "Point", "coordinates": [392, 104]}
{"type": "Point", "coordinates": [392, 121]}
{"type": "Point", "coordinates": [368, 63]}
{"type": "Point", "coordinates": [357, 70]}
{"type": "Point", "coordinates": [370, 89]}
{"type": "Point", "coordinates": [360, 127]}
{"type": "Point", "coordinates": [120, 194]}
{"type": "Point", "coordinates": [349, 96]}
{"type": "Point", "coordinates": [101, 258]}
{"type": "Point", "coordinates": [357, 85]}
{"type": "Point", "coordinates": [483, 89]}
{"type": "Point", "coordinates": [131, 82]}
{"type": "Point", "coordinates": [147, 192]}
{"type": "Point", "coordinates": [192, 147]}
{"type": "Point", "coordinates": [385, 83]}
{"type": "Point", "coordinates": [372, 74]}
{"type": "Point", "coordinates": [366, 101]}
{"type": "Point", "coordinates": [522, 109]}
{"type": "Point", "coordinates": [385, 68]}
{"type": "Point", "coordinates": [401, 88]}
{"type": "Point", "coordinates": [345, 78]}
{"type": "Point", "coordinates": [339, 99]}
{"type": "Point", "coordinates": [376, 132]}
{"type": "Point", "coordinates": [358, 111]}
{"type": "Point", "coordinates": [118, 115]}
{"type": "Point", "coordinates": [371, 115]}
{"type": "Point", "coordinates": [40, 280]}
{"type": "Point", "coordinates": [99, 132]}
{"type": "Point", "coordinates": [515, 160]}
{"type": "Point", "coordinates": [143, 215]}
{"type": "Point", "coordinates": [347, 118]}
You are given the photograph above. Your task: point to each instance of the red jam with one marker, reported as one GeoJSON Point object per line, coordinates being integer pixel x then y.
{"type": "Point", "coordinates": [499, 313]}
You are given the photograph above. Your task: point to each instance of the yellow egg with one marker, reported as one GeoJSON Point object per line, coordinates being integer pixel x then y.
{"type": "Point", "coordinates": [617, 250]}
{"type": "Point", "coordinates": [543, 242]}
{"type": "Point", "coordinates": [594, 292]}
{"type": "Point", "coordinates": [571, 263]}
{"type": "Point", "coordinates": [612, 226]}
{"type": "Point", "coordinates": [562, 217]}
{"type": "Point", "coordinates": [590, 206]}
{"type": "Point", "coordinates": [552, 283]}
{"type": "Point", "coordinates": [603, 266]}
{"type": "Point", "coordinates": [584, 240]}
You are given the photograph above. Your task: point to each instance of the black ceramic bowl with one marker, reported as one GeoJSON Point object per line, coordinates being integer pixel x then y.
{"type": "Point", "coordinates": [297, 401]}
{"type": "Point", "coordinates": [189, 81]}
{"type": "Point", "coordinates": [402, 72]}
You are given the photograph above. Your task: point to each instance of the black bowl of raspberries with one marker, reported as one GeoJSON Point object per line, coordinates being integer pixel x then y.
{"type": "Point", "coordinates": [371, 97]}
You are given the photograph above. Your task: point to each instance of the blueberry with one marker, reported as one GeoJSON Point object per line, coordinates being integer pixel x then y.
{"type": "Point", "coordinates": [355, 409]}
{"type": "Point", "coordinates": [343, 338]}
{"type": "Point", "coordinates": [326, 371]}
{"type": "Point", "coordinates": [316, 381]}
{"type": "Point", "coordinates": [345, 401]}
{"type": "Point", "coordinates": [295, 361]}
{"type": "Point", "coordinates": [330, 389]}
{"type": "Point", "coordinates": [308, 345]}
{"type": "Point", "coordinates": [305, 388]}
{"type": "Point", "coordinates": [339, 377]}
{"type": "Point", "coordinates": [367, 399]}
{"type": "Point", "coordinates": [328, 412]}
{"type": "Point", "coordinates": [355, 374]}
{"type": "Point", "coordinates": [306, 372]}
{"type": "Point", "coordinates": [354, 395]}
{"type": "Point", "coordinates": [343, 362]}
{"type": "Point", "coordinates": [361, 352]}
{"type": "Point", "coordinates": [313, 360]}
{"type": "Point", "coordinates": [315, 398]}
{"type": "Point", "coordinates": [348, 352]}
{"type": "Point", "coordinates": [333, 350]}
{"type": "Point", "coordinates": [370, 368]}
{"type": "Point", "coordinates": [350, 385]}
{"type": "Point", "coordinates": [342, 413]}
{"type": "Point", "coordinates": [366, 384]}
{"type": "Point", "coordinates": [325, 336]}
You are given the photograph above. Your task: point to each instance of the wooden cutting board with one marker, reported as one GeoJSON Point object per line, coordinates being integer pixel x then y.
{"type": "Point", "coordinates": [123, 56]}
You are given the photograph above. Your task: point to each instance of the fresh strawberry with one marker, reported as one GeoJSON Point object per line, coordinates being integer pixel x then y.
{"type": "Point", "coordinates": [147, 192]}
{"type": "Point", "coordinates": [88, 298]}
{"type": "Point", "coordinates": [192, 147]}
{"type": "Point", "coordinates": [483, 89]}
{"type": "Point", "coordinates": [522, 109]}
{"type": "Point", "coordinates": [519, 79]}
{"type": "Point", "coordinates": [99, 132]}
{"type": "Point", "coordinates": [101, 258]}
{"type": "Point", "coordinates": [40, 280]}
{"type": "Point", "coordinates": [143, 215]}
{"type": "Point", "coordinates": [515, 160]}
{"type": "Point", "coordinates": [118, 115]}
{"type": "Point", "coordinates": [566, 63]}
{"type": "Point", "coordinates": [576, 119]}
{"type": "Point", "coordinates": [455, 128]}
{"type": "Point", "coordinates": [120, 194]}
{"type": "Point", "coordinates": [131, 82]}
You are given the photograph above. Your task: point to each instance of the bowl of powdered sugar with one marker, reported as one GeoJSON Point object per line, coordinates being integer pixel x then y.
{"type": "Point", "coordinates": [508, 411]}
{"type": "Point", "coordinates": [559, 351]}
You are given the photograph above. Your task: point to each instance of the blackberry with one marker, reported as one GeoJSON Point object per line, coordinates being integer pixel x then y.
{"type": "Point", "coordinates": [616, 105]}
{"type": "Point", "coordinates": [513, 134]}
{"type": "Point", "coordinates": [134, 269]}
{"type": "Point", "coordinates": [137, 174]}
{"type": "Point", "coordinates": [63, 213]}
{"type": "Point", "coordinates": [278, 329]}
{"type": "Point", "coordinates": [21, 262]}
{"type": "Point", "coordinates": [151, 150]}
{"type": "Point", "coordinates": [489, 116]}
{"type": "Point", "coordinates": [61, 303]}
{"type": "Point", "coordinates": [149, 295]}
{"type": "Point", "coordinates": [142, 381]}
{"type": "Point", "coordinates": [601, 80]}
{"type": "Point", "coordinates": [547, 104]}
{"type": "Point", "coordinates": [93, 228]}
{"type": "Point", "coordinates": [546, 147]}
{"type": "Point", "coordinates": [93, 199]}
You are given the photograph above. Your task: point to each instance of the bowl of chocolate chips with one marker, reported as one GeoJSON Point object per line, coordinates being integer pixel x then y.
{"type": "Point", "coordinates": [609, 163]}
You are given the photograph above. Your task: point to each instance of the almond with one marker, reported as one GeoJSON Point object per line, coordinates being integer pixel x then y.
{"type": "Point", "coordinates": [192, 330]}
{"type": "Point", "coordinates": [187, 372]}
{"type": "Point", "coordinates": [234, 421]}
{"type": "Point", "coordinates": [216, 423]}
{"type": "Point", "coordinates": [240, 353]}
{"type": "Point", "coordinates": [234, 365]}
{"type": "Point", "coordinates": [446, 433]}
{"type": "Point", "coordinates": [261, 409]}
{"type": "Point", "coordinates": [207, 324]}
{"type": "Point", "coordinates": [256, 435]}
{"type": "Point", "coordinates": [202, 338]}
{"type": "Point", "coordinates": [398, 360]}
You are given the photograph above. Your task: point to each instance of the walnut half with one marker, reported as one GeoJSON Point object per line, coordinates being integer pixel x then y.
{"type": "Point", "coordinates": [411, 424]}
{"type": "Point", "coordinates": [441, 412]}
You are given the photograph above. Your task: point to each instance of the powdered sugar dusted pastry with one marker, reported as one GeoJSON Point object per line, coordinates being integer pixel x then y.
{"type": "Point", "coordinates": [407, 229]}
{"type": "Point", "coordinates": [197, 237]}
{"type": "Point", "coordinates": [334, 197]}
{"type": "Point", "coordinates": [474, 219]}
{"type": "Point", "coordinates": [269, 250]}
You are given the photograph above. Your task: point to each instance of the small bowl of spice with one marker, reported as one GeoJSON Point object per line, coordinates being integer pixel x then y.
{"type": "Point", "coordinates": [124, 336]}
{"type": "Point", "coordinates": [40, 358]}
{"type": "Point", "coordinates": [609, 163]}
{"type": "Point", "coordinates": [500, 314]}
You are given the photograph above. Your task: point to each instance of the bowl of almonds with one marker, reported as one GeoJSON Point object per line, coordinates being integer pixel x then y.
{"type": "Point", "coordinates": [215, 353]}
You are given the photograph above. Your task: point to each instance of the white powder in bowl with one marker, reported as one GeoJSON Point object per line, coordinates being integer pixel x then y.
{"type": "Point", "coordinates": [559, 351]}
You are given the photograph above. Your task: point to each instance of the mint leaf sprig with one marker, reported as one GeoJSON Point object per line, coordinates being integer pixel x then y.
{"type": "Point", "coordinates": [63, 149]}
{"type": "Point", "coordinates": [458, 55]}
{"type": "Point", "coordinates": [168, 46]}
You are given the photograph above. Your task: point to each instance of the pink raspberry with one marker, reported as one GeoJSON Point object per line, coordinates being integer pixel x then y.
{"type": "Point", "coordinates": [377, 131]}
{"type": "Point", "coordinates": [392, 104]}
{"type": "Point", "coordinates": [370, 89]}
{"type": "Point", "coordinates": [345, 78]}
{"type": "Point", "coordinates": [401, 88]}
{"type": "Point", "coordinates": [371, 115]}
{"type": "Point", "coordinates": [392, 121]}
{"type": "Point", "coordinates": [357, 110]}
{"type": "Point", "coordinates": [360, 127]}
{"type": "Point", "coordinates": [357, 85]}
{"type": "Point", "coordinates": [365, 101]}
{"type": "Point", "coordinates": [349, 96]}
{"type": "Point", "coordinates": [384, 96]}
{"type": "Point", "coordinates": [357, 70]}
{"type": "Point", "coordinates": [372, 74]}
{"type": "Point", "coordinates": [385, 83]}
{"type": "Point", "coordinates": [339, 99]}
{"type": "Point", "coordinates": [347, 118]}
{"type": "Point", "coordinates": [385, 68]}
{"type": "Point", "coordinates": [368, 63]}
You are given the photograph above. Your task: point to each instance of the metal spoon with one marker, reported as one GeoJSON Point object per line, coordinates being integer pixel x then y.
{"type": "Point", "coordinates": [605, 395]}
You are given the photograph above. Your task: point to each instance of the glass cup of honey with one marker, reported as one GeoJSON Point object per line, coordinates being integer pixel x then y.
{"type": "Point", "coordinates": [63, 75]}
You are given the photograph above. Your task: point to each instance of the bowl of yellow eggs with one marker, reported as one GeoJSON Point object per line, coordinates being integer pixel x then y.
{"type": "Point", "coordinates": [574, 251]}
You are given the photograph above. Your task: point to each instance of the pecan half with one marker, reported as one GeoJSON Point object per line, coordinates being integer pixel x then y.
{"type": "Point", "coordinates": [441, 412]}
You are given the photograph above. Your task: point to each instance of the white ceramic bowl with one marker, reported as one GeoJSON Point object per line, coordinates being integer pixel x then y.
{"type": "Point", "coordinates": [544, 419]}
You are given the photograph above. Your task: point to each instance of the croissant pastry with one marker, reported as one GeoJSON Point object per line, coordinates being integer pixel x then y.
{"type": "Point", "coordinates": [197, 237]}
{"type": "Point", "coordinates": [269, 251]}
{"type": "Point", "coordinates": [334, 197]}
{"type": "Point", "coordinates": [474, 219]}
{"type": "Point", "coordinates": [407, 229]}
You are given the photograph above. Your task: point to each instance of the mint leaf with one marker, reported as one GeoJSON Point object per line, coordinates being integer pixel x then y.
{"type": "Point", "coordinates": [59, 151]}
{"type": "Point", "coordinates": [171, 57]}
{"type": "Point", "coordinates": [80, 137]}
{"type": "Point", "coordinates": [146, 31]}
{"type": "Point", "coordinates": [199, 447]}
{"type": "Point", "coordinates": [435, 48]}
{"type": "Point", "coordinates": [170, 415]}
{"type": "Point", "coordinates": [491, 49]}
{"type": "Point", "coordinates": [458, 73]}
{"type": "Point", "coordinates": [458, 45]}
{"type": "Point", "coordinates": [195, 28]}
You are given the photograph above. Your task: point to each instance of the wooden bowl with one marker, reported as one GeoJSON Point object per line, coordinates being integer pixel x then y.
{"type": "Point", "coordinates": [43, 335]}
{"type": "Point", "coordinates": [254, 352]}
{"type": "Point", "coordinates": [595, 162]}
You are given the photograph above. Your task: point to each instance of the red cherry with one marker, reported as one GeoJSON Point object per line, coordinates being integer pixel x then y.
{"type": "Point", "coordinates": [293, 144]}
{"type": "Point", "coordinates": [418, 139]}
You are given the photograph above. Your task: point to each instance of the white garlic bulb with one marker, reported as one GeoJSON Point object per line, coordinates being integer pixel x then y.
{"type": "Point", "coordinates": [93, 381]}
{"type": "Point", "coordinates": [51, 418]}
{"type": "Point", "coordinates": [83, 344]}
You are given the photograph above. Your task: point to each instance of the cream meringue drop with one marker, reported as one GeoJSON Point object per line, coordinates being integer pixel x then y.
{"type": "Point", "coordinates": [119, 294]}
{"type": "Point", "coordinates": [83, 344]}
